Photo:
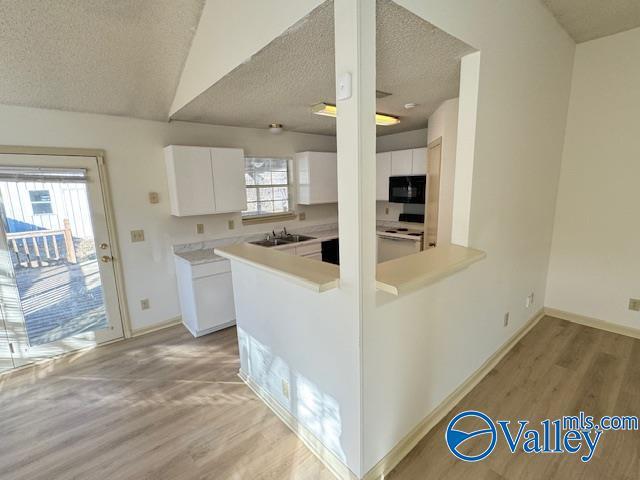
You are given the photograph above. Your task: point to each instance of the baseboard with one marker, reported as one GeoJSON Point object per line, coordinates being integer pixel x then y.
{"type": "Point", "coordinates": [158, 326]}
{"type": "Point", "coordinates": [593, 322]}
{"type": "Point", "coordinates": [207, 331]}
{"type": "Point", "coordinates": [326, 456]}
{"type": "Point", "coordinates": [402, 448]}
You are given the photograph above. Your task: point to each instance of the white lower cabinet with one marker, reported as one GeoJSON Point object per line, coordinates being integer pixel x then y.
{"type": "Point", "coordinates": [206, 296]}
{"type": "Point", "coordinates": [313, 250]}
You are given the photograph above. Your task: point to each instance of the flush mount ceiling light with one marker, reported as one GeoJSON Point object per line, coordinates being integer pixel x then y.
{"type": "Point", "coordinates": [275, 128]}
{"type": "Point", "coordinates": [328, 110]}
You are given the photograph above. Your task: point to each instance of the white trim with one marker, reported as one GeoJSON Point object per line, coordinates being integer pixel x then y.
{"type": "Point", "coordinates": [172, 322]}
{"type": "Point", "coordinates": [593, 322]}
{"type": "Point", "coordinates": [326, 456]}
{"type": "Point", "coordinates": [207, 331]}
{"type": "Point", "coordinates": [404, 446]}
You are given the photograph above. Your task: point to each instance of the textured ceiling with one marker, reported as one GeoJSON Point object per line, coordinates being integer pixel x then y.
{"type": "Point", "coordinates": [120, 57]}
{"type": "Point", "coordinates": [589, 19]}
{"type": "Point", "coordinates": [416, 62]}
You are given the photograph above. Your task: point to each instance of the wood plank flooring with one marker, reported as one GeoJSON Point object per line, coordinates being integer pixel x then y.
{"type": "Point", "coordinates": [161, 406]}
{"type": "Point", "coordinates": [558, 368]}
{"type": "Point", "coordinates": [167, 406]}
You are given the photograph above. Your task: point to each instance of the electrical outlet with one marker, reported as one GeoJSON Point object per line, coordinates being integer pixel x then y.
{"type": "Point", "coordinates": [144, 304]}
{"type": "Point", "coordinates": [137, 236]}
{"type": "Point", "coordinates": [386, 210]}
{"type": "Point", "coordinates": [285, 389]}
{"type": "Point", "coordinates": [232, 224]}
{"type": "Point", "coordinates": [634, 304]}
{"type": "Point", "coordinates": [302, 216]}
{"type": "Point", "coordinates": [529, 300]}
{"type": "Point", "coordinates": [506, 319]}
{"type": "Point", "coordinates": [200, 228]}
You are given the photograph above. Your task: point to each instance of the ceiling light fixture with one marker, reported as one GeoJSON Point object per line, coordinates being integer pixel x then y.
{"type": "Point", "coordinates": [275, 128]}
{"type": "Point", "coordinates": [328, 110]}
{"type": "Point", "coordinates": [409, 106]}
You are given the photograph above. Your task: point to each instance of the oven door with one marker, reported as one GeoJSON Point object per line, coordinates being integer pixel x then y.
{"type": "Point", "coordinates": [408, 189]}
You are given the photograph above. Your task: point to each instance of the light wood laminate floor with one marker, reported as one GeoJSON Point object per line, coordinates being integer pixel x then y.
{"type": "Point", "coordinates": [167, 406]}
{"type": "Point", "coordinates": [558, 368]}
{"type": "Point", "coordinates": [161, 406]}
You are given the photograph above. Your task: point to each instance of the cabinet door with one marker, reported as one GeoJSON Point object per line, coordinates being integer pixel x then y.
{"type": "Point", "coordinates": [214, 300]}
{"type": "Point", "coordinates": [383, 172]}
{"type": "Point", "coordinates": [190, 180]}
{"type": "Point", "coordinates": [228, 179]}
{"type": "Point", "coordinates": [419, 163]}
{"type": "Point", "coordinates": [401, 162]}
{"type": "Point", "coordinates": [317, 178]}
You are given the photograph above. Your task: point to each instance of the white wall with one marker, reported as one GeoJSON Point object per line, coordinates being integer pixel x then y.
{"type": "Point", "coordinates": [402, 140]}
{"type": "Point", "coordinates": [135, 163]}
{"type": "Point", "coordinates": [444, 123]}
{"type": "Point", "coordinates": [420, 347]}
{"type": "Point", "coordinates": [594, 267]}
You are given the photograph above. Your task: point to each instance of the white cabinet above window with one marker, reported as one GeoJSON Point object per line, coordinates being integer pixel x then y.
{"type": "Point", "coordinates": [317, 177]}
{"type": "Point", "coordinates": [383, 172]}
{"type": "Point", "coordinates": [205, 180]}
{"type": "Point", "coordinates": [401, 162]}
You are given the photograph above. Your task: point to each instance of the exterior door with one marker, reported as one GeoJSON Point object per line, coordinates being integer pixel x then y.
{"type": "Point", "coordinates": [57, 281]}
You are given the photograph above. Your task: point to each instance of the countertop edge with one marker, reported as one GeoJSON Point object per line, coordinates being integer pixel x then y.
{"type": "Point", "coordinates": [316, 286]}
{"type": "Point", "coordinates": [467, 257]}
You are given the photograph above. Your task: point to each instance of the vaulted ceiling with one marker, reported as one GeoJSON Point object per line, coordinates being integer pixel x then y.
{"type": "Point", "coordinates": [119, 57]}
{"type": "Point", "coordinates": [416, 63]}
{"type": "Point", "coordinates": [590, 19]}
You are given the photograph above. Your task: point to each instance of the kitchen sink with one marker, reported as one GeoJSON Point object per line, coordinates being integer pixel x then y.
{"type": "Point", "coordinates": [273, 242]}
{"type": "Point", "coordinates": [290, 238]}
{"type": "Point", "coordinates": [298, 238]}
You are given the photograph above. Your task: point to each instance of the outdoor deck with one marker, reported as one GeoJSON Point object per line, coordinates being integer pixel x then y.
{"type": "Point", "coordinates": [61, 300]}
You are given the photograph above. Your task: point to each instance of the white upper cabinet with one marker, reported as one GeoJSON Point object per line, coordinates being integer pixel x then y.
{"type": "Point", "coordinates": [205, 180]}
{"type": "Point", "coordinates": [228, 179]}
{"type": "Point", "coordinates": [317, 177]}
{"type": "Point", "coordinates": [190, 180]}
{"type": "Point", "coordinates": [383, 172]}
{"type": "Point", "coordinates": [419, 161]}
{"type": "Point", "coordinates": [401, 162]}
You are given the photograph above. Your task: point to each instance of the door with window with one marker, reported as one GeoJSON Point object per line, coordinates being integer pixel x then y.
{"type": "Point", "coordinates": [57, 281]}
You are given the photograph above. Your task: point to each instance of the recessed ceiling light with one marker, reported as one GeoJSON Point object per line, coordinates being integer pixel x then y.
{"type": "Point", "coordinates": [328, 110]}
{"type": "Point", "coordinates": [275, 128]}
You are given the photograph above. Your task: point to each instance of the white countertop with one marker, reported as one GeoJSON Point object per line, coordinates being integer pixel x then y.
{"type": "Point", "coordinates": [197, 257]}
{"type": "Point", "coordinates": [318, 276]}
{"type": "Point", "coordinates": [405, 274]}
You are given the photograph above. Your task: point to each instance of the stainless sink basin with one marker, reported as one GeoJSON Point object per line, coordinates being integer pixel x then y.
{"type": "Point", "coordinates": [274, 242]}
{"type": "Point", "coordinates": [298, 238]}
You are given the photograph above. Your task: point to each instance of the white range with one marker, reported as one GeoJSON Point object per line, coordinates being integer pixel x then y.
{"type": "Point", "coordinates": [398, 242]}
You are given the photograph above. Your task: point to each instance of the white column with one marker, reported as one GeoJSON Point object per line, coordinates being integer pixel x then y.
{"type": "Point", "coordinates": [355, 45]}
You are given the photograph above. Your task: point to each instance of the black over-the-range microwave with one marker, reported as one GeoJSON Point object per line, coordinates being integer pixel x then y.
{"type": "Point", "coordinates": [408, 189]}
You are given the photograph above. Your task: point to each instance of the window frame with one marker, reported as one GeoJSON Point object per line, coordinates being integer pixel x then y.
{"type": "Point", "coordinates": [248, 218]}
{"type": "Point", "coordinates": [40, 202]}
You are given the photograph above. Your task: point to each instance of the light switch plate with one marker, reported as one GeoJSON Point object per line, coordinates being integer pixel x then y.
{"type": "Point", "coordinates": [343, 87]}
{"type": "Point", "coordinates": [200, 228]}
{"type": "Point", "coordinates": [634, 304]}
{"type": "Point", "coordinates": [144, 304]}
{"type": "Point", "coordinates": [154, 197]}
{"type": "Point", "coordinates": [232, 224]}
{"type": "Point", "coordinates": [302, 216]}
{"type": "Point", "coordinates": [137, 236]}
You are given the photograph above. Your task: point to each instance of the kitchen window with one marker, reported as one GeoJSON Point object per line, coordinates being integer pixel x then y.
{"type": "Point", "coordinates": [267, 186]}
{"type": "Point", "coordinates": [40, 202]}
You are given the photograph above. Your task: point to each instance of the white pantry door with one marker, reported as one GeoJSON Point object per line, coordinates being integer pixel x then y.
{"type": "Point", "coordinates": [57, 280]}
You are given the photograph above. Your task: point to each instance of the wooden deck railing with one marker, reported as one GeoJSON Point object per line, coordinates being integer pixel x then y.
{"type": "Point", "coordinates": [31, 250]}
